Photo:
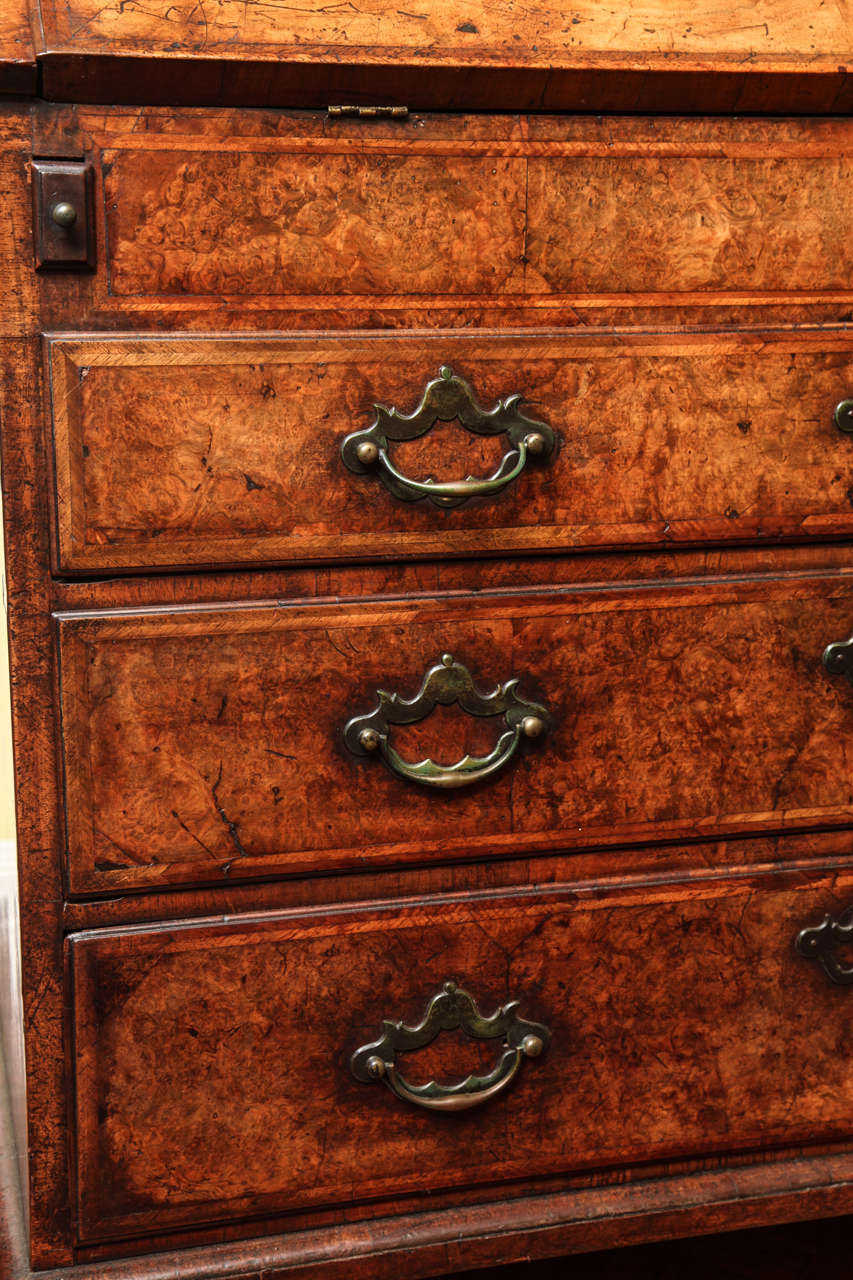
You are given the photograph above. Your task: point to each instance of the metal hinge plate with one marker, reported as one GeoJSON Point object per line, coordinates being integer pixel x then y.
{"type": "Point", "coordinates": [370, 113]}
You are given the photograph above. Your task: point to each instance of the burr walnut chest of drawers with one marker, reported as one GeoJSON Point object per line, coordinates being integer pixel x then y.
{"type": "Point", "coordinates": [428, 538]}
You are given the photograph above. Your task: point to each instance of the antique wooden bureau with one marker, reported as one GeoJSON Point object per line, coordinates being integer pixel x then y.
{"type": "Point", "coordinates": [428, 536]}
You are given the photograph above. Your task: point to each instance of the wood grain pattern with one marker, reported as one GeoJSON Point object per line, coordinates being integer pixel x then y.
{"type": "Point", "coordinates": [179, 452]}
{"type": "Point", "coordinates": [776, 55]}
{"type": "Point", "coordinates": [660, 224]}
{"type": "Point", "coordinates": [815, 853]}
{"type": "Point", "coordinates": [18, 71]}
{"type": "Point", "coordinates": [510, 221]}
{"type": "Point", "coordinates": [314, 224]}
{"type": "Point", "coordinates": [17, 279]}
{"type": "Point", "coordinates": [273, 137]}
{"type": "Point", "coordinates": [661, 698]}
{"type": "Point", "coordinates": [38, 820]}
{"type": "Point", "coordinates": [211, 1062]}
{"type": "Point", "coordinates": [538, 32]}
{"type": "Point", "coordinates": [694, 709]}
{"type": "Point", "coordinates": [390, 579]}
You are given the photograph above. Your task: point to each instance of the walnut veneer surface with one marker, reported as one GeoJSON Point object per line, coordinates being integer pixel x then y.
{"type": "Point", "coordinates": [223, 892]}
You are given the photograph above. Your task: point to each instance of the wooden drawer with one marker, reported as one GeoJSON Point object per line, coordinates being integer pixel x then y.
{"type": "Point", "coordinates": [208, 742]}
{"type": "Point", "coordinates": [182, 452]}
{"type": "Point", "coordinates": [212, 1060]}
{"type": "Point", "coordinates": [298, 206]}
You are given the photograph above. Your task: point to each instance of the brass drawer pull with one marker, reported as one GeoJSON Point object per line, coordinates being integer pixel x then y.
{"type": "Point", "coordinates": [843, 416]}
{"type": "Point", "coordinates": [838, 658]}
{"type": "Point", "coordinates": [822, 942]}
{"type": "Point", "coordinates": [450, 1009]}
{"type": "Point", "coordinates": [445, 399]}
{"type": "Point", "coordinates": [446, 682]}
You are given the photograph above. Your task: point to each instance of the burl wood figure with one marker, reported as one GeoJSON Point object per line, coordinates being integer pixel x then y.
{"type": "Point", "coordinates": [427, 447]}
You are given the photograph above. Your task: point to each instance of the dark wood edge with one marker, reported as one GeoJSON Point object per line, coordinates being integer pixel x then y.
{"type": "Point", "coordinates": [18, 80]}
{"type": "Point", "coordinates": [602, 84]}
{"type": "Point", "coordinates": [22, 36]}
{"type": "Point", "coordinates": [34, 716]}
{"type": "Point", "coordinates": [536, 1227]}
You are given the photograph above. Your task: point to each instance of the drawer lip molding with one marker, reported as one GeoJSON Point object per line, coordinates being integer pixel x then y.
{"type": "Point", "coordinates": [660, 695]}
{"type": "Point", "coordinates": [517, 1228]}
{"type": "Point", "coordinates": [272, 1007]}
{"type": "Point", "coordinates": [664, 58]}
{"type": "Point", "coordinates": [204, 451]}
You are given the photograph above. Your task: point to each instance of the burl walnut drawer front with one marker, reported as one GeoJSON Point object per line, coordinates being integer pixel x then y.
{"type": "Point", "coordinates": [186, 452]}
{"type": "Point", "coordinates": [299, 206]}
{"type": "Point", "coordinates": [262, 739]}
{"type": "Point", "coordinates": [214, 1062]}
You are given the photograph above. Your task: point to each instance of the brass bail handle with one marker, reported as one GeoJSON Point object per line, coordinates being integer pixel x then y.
{"type": "Point", "coordinates": [447, 681]}
{"type": "Point", "coordinates": [445, 399]}
{"type": "Point", "coordinates": [451, 1009]}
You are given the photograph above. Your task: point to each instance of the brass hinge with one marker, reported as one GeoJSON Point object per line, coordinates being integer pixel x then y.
{"type": "Point", "coordinates": [371, 113]}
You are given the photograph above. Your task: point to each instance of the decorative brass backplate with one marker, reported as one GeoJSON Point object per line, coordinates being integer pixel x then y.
{"type": "Point", "coordinates": [821, 942]}
{"type": "Point", "coordinates": [445, 399]}
{"type": "Point", "coordinates": [449, 1010]}
{"type": "Point", "coordinates": [446, 682]}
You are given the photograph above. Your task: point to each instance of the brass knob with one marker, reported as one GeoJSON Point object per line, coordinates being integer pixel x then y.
{"type": "Point", "coordinates": [64, 214]}
{"type": "Point", "coordinates": [375, 1067]}
{"type": "Point", "coordinates": [535, 442]}
{"type": "Point", "coordinates": [532, 726]}
{"type": "Point", "coordinates": [369, 739]}
{"type": "Point", "coordinates": [531, 1046]}
{"type": "Point", "coordinates": [367, 452]}
{"type": "Point", "coordinates": [843, 416]}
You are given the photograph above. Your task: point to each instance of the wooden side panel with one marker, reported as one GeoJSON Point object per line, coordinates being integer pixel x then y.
{"type": "Point", "coordinates": [34, 710]}
{"type": "Point", "coordinates": [212, 1061]}
{"type": "Point", "coordinates": [205, 744]}
{"type": "Point", "coordinates": [274, 222]}
{"type": "Point", "coordinates": [184, 452]}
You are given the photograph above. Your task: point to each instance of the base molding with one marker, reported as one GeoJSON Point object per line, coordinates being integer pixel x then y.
{"type": "Point", "coordinates": [527, 1228]}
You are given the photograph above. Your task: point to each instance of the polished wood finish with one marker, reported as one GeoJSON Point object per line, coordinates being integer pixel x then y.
{"type": "Point", "coordinates": [211, 1061]}
{"type": "Point", "coordinates": [18, 71]}
{"type": "Point", "coordinates": [480, 209]}
{"type": "Point", "coordinates": [704, 746]}
{"type": "Point", "coordinates": [63, 246]}
{"type": "Point", "coordinates": [24, 461]}
{"type": "Point", "coordinates": [821, 853]}
{"type": "Point", "coordinates": [652, 55]}
{"type": "Point", "coordinates": [243, 771]}
{"type": "Point", "coordinates": [271, 142]}
{"type": "Point", "coordinates": [661, 439]}
{"type": "Point", "coordinates": [654, 28]}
